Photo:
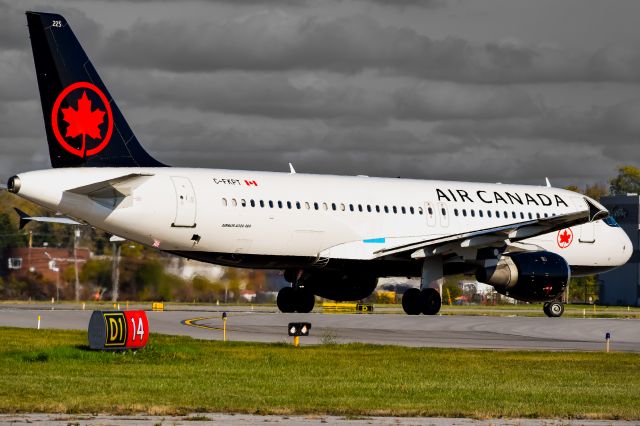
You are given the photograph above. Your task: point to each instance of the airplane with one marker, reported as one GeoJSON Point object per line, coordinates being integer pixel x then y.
{"type": "Point", "coordinates": [332, 236]}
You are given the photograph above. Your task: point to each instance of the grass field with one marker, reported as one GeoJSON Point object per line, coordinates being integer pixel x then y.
{"type": "Point", "coordinates": [52, 371]}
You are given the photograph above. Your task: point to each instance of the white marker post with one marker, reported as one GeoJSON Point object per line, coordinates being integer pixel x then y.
{"type": "Point", "coordinates": [607, 337]}
{"type": "Point", "coordinates": [38, 322]}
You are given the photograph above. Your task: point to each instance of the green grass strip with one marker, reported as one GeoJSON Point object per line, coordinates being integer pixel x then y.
{"type": "Point", "coordinates": [53, 371]}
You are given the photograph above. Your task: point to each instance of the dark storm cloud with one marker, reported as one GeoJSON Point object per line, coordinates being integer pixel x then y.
{"type": "Point", "coordinates": [276, 41]}
{"type": "Point", "coordinates": [599, 126]}
{"type": "Point", "coordinates": [334, 98]}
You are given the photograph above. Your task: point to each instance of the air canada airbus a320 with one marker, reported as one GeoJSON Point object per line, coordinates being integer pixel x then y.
{"type": "Point", "coordinates": [333, 236]}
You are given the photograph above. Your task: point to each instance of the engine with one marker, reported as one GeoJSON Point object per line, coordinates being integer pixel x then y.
{"type": "Point", "coordinates": [341, 285]}
{"type": "Point", "coordinates": [530, 276]}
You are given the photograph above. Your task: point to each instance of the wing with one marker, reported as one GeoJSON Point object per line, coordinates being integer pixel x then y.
{"type": "Point", "coordinates": [496, 236]}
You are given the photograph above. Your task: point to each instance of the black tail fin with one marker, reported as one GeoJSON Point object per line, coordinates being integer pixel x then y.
{"type": "Point", "coordinates": [84, 126]}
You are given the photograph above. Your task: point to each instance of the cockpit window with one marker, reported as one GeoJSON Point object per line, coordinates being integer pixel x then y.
{"type": "Point", "coordinates": [609, 220]}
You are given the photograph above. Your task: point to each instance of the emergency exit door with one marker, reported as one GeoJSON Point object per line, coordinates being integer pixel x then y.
{"type": "Point", "coordinates": [185, 203]}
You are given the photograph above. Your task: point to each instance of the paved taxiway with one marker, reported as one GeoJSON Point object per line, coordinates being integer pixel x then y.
{"type": "Point", "coordinates": [451, 331]}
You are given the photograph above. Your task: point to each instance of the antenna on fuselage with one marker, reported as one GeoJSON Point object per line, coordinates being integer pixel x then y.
{"type": "Point", "coordinates": [291, 169]}
{"type": "Point", "coordinates": [548, 183]}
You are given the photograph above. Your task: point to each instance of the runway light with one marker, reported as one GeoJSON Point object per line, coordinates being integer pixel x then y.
{"type": "Point", "coordinates": [299, 328]}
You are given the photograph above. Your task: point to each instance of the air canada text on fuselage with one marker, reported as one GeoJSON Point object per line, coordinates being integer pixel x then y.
{"type": "Point", "coordinates": [500, 197]}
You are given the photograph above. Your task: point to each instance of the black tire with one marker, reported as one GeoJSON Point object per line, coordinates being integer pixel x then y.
{"type": "Point", "coordinates": [545, 309]}
{"type": "Point", "coordinates": [411, 302]}
{"type": "Point", "coordinates": [305, 300]}
{"type": "Point", "coordinates": [555, 309]}
{"type": "Point", "coordinates": [431, 301]}
{"type": "Point", "coordinates": [286, 300]}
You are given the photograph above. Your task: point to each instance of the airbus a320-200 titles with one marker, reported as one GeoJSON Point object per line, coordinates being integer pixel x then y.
{"type": "Point", "coordinates": [332, 236]}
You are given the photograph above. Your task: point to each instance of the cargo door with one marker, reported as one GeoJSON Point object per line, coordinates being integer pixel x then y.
{"type": "Point", "coordinates": [185, 203]}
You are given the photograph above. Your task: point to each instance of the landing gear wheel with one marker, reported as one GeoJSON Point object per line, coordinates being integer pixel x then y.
{"type": "Point", "coordinates": [553, 309]}
{"type": "Point", "coordinates": [431, 301]}
{"type": "Point", "coordinates": [411, 302]}
{"type": "Point", "coordinates": [305, 300]}
{"type": "Point", "coordinates": [286, 300]}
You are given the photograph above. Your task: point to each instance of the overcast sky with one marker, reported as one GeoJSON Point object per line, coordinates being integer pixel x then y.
{"type": "Point", "coordinates": [479, 90]}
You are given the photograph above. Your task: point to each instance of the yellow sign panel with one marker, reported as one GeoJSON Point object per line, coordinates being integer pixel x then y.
{"type": "Point", "coordinates": [116, 325]}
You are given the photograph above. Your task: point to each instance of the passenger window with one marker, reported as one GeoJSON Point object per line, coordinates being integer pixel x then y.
{"type": "Point", "coordinates": [234, 203]}
{"type": "Point", "coordinates": [253, 203]}
{"type": "Point", "coordinates": [270, 204]}
{"type": "Point", "coordinates": [395, 210]}
{"type": "Point", "coordinates": [480, 213]}
{"type": "Point", "coordinates": [455, 212]}
{"type": "Point", "coordinates": [530, 216]}
{"type": "Point", "coordinates": [377, 208]}
{"type": "Point", "coordinates": [386, 209]}
{"type": "Point", "coordinates": [243, 202]}
{"type": "Point", "coordinates": [513, 214]}
{"type": "Point", "coordinates": [537, 215]}
{"type": "Point", "coordinates": [279, 204]}
{"type": "Point", "coordinates": [261, 203]}
{"type": "Point", "coordinates": [298, 205]}
{"type": "Point", "coordinates": [430, 211]}
{"type": "Point", "coordinates": [420, 211]}
{"type": "Point", "coordinates": [521, 215]}
{"type": "Point", "coordinates": [444, 212]}
{"type": "Point", "coordinates": [488, 213]}
{"type": "Point", "coordinates": [333, 206]}
{"type": "Point", "coordinates": [351, 207]}
{"type": "Point", "coordinates": [307, 206]}
{"type": "Point", "coordinates": [289, 204]}
{"type": "Point", "coordinates": [359, 207]}
{"type": "Point", "coordinates": [497, 213]}
{"type": "Point", "coordinates": [506, 215]}
{"type": "Point", "coordinates": [369, 208]}
{"type": "Point", "coordinates": [325, 207]}
{"type": "Point", "coordinates": [473, 213]}
{"type": "Point", "coordinates": [224, 202]}
{"type": "Point", "coordinates": [315, 206]}
{"type": "Point", "coordinates": [403, 210]}
{"type": "Point", "coordinates": [342, 207]}
{"type": "Point", "coordinates": [464, 212]}
{"type": "Point", "coordinates": [411, 210]}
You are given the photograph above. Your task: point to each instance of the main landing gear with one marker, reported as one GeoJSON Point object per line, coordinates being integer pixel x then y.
{"type": "Point", "coordinates": [295, 298]}
{"type": "Point", "coordinates": [426, 301]}
{"type": "Point", "coordinates": [553, 309]}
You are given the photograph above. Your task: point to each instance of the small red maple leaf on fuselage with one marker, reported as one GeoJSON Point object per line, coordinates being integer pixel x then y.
{"type": "Point", "coordinates": [565, 237]}
{"type": "Point", "coordinates": [83, 121]}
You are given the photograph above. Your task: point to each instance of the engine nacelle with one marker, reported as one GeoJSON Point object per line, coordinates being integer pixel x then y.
{"type": "Point", "coordinates": [530, 276]}
{"type": "Point", "coordinates": [341, 286]}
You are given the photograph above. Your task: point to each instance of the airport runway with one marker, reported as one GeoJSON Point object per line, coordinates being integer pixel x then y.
{"type": "Point", "coordinates": [450, 331]}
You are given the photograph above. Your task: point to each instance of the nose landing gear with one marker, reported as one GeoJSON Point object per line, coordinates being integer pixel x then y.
{"type": "Point", "coordinates": [296, 298]}
{"type": "Point", "coordinates": [553, 309]}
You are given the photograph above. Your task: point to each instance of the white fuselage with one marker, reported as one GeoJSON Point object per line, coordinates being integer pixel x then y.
{"type": "Point", "coordinates": [284, 215]}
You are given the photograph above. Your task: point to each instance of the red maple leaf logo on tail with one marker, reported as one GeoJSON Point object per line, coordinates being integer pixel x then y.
{"type": "Point", "coordinates": [83, 121]}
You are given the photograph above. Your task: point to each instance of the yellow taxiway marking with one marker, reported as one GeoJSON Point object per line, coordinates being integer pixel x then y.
{"type": "Point", "coordinates": [192, 323]}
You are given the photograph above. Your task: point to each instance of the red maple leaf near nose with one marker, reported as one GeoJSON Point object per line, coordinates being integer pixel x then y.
{"type": "Point", "coordinates": [83, 121]}
{"type": "Point", "coordinates": [565, 237]}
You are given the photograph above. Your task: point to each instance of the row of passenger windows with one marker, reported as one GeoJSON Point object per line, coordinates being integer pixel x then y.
{"type": "Point", "coordinates": [376, 208]}
{"type": "Point", "coordinates": [325, 206]}
{"type": "Point", "coordinates": [504, 214]}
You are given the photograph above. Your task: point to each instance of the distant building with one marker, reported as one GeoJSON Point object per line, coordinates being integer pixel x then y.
{"type": "Point", "coordinates": [47, 261]}
{"type": "Point", "coordinates": [622, 285]}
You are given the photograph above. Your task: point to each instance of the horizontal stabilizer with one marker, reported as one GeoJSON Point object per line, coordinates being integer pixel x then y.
{"type": "Point", "coordinates": [25, 219]}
